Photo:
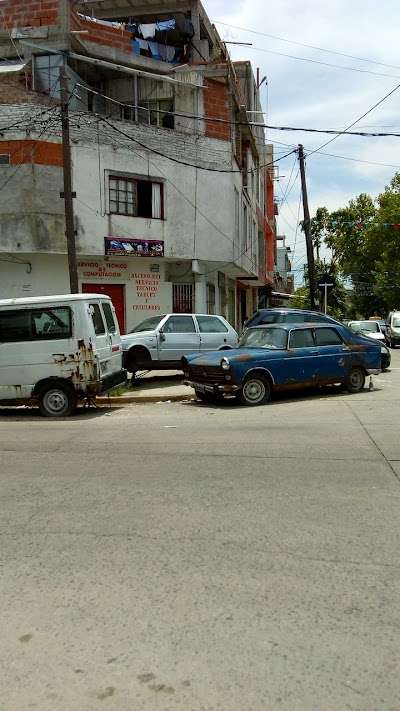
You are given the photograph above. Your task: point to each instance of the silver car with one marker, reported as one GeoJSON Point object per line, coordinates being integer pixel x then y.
{"type": "Point", "coordinates": [159, 342]}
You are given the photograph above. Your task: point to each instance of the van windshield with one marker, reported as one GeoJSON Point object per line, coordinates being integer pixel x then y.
{"type": "Point", "coordinates": [148, 325]}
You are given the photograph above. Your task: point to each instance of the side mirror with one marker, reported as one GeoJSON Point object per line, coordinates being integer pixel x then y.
{"type": "Point", "coordinates": [162, 335]}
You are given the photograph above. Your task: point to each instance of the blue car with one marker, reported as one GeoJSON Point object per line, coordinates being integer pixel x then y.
{"type": "Point", "coordinates": [283, 357]}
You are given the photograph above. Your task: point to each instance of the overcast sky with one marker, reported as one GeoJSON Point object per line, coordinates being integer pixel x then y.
{"type": "Point", "coordinates": [310, 94]}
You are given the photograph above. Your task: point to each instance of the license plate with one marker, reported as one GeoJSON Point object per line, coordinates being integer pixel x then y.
{"type": "Point", "coordinates": [199, 387]}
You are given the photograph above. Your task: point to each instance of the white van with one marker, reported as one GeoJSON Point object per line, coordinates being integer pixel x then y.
{"type": "Point", "coordinates": [55, 350]}
{"type": "Point", "coordinates": [392, 333]}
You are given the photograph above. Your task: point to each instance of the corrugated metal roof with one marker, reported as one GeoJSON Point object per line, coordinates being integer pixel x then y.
{"type": "Point", "coordinates": [12, 65]}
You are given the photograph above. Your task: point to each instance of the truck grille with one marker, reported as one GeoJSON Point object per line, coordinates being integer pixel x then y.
{"type": "Point", "coordinates": [206, 373]}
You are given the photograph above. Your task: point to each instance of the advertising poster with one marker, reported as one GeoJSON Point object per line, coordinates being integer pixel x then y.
{"type": "Point", "coordinates": [134, 247]}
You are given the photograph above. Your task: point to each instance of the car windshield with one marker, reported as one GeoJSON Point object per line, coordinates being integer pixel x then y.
{"type": "Point", "coordinates": [274, 338]}
{"type": "Point", "coordinates": [358, 326]}
{"type": "Point", "coordinates": [396, 322]}
{"type": "Point", "coordinates": [370, 326]}
{"type": "Point", "coordinates": [148, 325]}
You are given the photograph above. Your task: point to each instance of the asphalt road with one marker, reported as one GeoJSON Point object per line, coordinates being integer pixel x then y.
{"type": "Point", "coordinates": [186, 557]}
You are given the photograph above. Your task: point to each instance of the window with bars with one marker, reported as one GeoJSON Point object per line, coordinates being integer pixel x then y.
{"type": "Point", "coordinates": [182, 298]}
{"type": "Point", "coordinates": [136, 198]}
{"type": "Point", "coordinates": [210, 299]}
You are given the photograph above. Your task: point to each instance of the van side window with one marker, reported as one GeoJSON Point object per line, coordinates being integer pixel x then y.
{"type": "Point", "coordinates": [35, 324]}
{"type": "Point", "coordinates": [109, 316]}
{"type": "Point", "coordinates": [51, 323]}
{"type": "Point", "coordinates": [97, 319]}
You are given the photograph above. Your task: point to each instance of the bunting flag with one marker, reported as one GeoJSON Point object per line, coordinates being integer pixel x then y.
{"type": "Point", "coordinates": [358, 225]}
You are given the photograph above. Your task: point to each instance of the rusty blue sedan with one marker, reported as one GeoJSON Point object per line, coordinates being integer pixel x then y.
{"type": "Point", "coordinates": [283, 357]}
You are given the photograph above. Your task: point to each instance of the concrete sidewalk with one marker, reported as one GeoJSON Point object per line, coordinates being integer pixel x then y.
{"type": "Point", "coordinates": [154, 386]}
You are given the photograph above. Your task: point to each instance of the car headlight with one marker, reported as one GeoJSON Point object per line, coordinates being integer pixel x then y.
{"type": "Point", "coordinates": [384, 350]}
{"type": "Point", "coordinates": [225, 364]}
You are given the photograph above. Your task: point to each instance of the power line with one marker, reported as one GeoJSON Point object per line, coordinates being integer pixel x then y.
{"type": "Point", "coordinates": [199, 212]}
{"type": "Point", "coordinates": [357, 120]}
{"type": "Point", "coordinates": [334, 155]}
{"type": "Point", "coordinates": [310, 46]}
{"type": "Point", "coordinates": [34, 143]}
{"type": "Point", "coordinates": [257, 124]}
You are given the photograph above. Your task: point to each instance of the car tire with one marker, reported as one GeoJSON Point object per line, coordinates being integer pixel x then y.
{"type": "Point", "coordinates": [392, 343]}
{"type": "Point", "coordinates": [138, 359]}
{"type": "Point", "coordinates": [57, 399]}
{"type": "Point", "coordinates": [256, 390]}
{"type": "Point", "coordinates": [355, 380]}
{"type": "Point", "coordinates": [210, 398]}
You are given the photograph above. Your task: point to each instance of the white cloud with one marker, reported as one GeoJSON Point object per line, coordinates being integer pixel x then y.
{"type": "Point", "coordinates": [313, 95]}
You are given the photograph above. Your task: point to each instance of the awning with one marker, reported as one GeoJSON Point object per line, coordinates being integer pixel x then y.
{"type": "Point", "coordinates": [251, 281]}
{"type": "Point", "coordinates": [12, 65]}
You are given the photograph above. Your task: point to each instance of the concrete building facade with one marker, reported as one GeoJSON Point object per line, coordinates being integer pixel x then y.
{"type": "Point", "coordinates": [168, 169]}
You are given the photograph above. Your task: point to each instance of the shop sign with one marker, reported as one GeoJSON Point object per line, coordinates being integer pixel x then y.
{"type": "Point", "coordinates": [134, 247]}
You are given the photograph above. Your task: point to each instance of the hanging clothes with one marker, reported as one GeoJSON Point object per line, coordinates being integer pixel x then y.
{"type": "Point", "coordinates": [171, 51]}
{"type": "Point", "coordinates": [162, 48]}
{"type": "Point", "coordinates": [167, 25]}
{"type": "Point", "coordinates": [143, 44]}
{"type": "Point", "coordinates": [136, 46]}
{"type": "Point", "coordinates": [148, 30]}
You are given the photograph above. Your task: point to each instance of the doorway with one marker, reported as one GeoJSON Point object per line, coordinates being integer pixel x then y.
{"type": "Point", "coordinates": [116, 292]}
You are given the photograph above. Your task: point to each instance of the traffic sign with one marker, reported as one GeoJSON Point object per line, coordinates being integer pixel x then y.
{"type": "Point", "coordinates": [326, 283]}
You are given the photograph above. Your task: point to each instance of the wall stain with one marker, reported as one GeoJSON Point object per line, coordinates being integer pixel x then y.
{"type": "Point", "coordinates": [25, 637]}
{"type": "Point", "coordinates": [144, 678]}
{"type": "Point", "coordinates": [108, 691]}
{"type": "Point", "coordinates": [162, 687]}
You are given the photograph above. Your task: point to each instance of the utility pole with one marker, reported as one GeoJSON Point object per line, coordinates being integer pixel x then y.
{"type": "Point", "coordinates": [310, 251]}
{"type": "Point", "coordinates": [67, 174]}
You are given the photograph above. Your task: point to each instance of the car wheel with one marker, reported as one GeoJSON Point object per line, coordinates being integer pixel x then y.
{"type": "Point", "coordinates": [355, 380]}
{"type": "Point", "coordinates": [255, 390]}
{"type": "Point", "coordinates": [392, 343]}
{"type": "Point", "coordinates": [214, 398]}
{"type": "Point", "coordinates": [57, 400]}
{"type": "Point", "coordinates": [138, 359]}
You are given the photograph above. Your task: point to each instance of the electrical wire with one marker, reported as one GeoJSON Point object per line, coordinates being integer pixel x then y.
{"type": "Point", "coordinates": [197, 212]}
{"type": "Point", "coordinates": [29, 154]}
{"type": "Point", "coordinates": [357, 120]}
{"type": "Point", "coordinates": [230, 122]}
{"type": "Point", "coordinates": [191, 203]}
{"type": "Point", "coordinates": [309, 46]}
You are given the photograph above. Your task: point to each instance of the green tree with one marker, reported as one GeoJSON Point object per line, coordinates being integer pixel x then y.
{"type": "Point", "coordinates": [365, 239]}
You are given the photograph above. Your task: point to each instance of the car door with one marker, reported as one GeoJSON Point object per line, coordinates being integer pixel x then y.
{"type": "Point", "coordinates": [177, 337]}
{"type": "Point", "coordinates": [104, 340]}
{"type": "Point", "coordinates": [213, 333]}
{"type": "Point", "coordinates": [334, 355]}
{"type": "Point", "coordinates": [301, 357]}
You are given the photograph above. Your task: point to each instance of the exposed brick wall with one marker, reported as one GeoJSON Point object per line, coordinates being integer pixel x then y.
{"type": "Point", "coordinates": [31, 151]}
{"type": "Point", "coordinates": [217, 105]}
{"type": "Point", "coordinates": [29, 13]}
{"type": "Point", "coordinates": [109, 36]}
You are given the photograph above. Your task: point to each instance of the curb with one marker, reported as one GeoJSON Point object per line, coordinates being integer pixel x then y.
{"type": "Point", "coordinates": [121, 400]}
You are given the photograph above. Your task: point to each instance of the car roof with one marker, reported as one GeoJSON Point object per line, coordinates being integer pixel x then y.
{"type": "Point", "coordinates": [286, 309]}
{"type": "Point", "coordinates": [296, 326]}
